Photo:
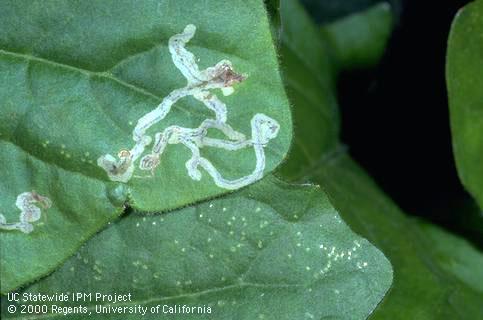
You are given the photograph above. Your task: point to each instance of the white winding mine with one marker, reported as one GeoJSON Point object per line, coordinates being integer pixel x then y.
{"type": "Point", "coordinates": [30, 212]}
{"type": "Point", "coordinates": [263, 130]}
{"type": "Point", "coordinates": [199, 82]}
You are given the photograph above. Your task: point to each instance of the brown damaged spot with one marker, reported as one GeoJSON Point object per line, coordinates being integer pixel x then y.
{"type": "Point", "coordinates": [44, 202]}
{"type": "Point", "coordinates": [229, 77]}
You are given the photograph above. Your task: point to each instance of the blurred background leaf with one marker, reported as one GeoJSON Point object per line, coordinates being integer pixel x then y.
{"type": "Point", "coordinates": [327, 11]}
{"type": "Point", "coordinates": [395, 117]}
{"type": "Point", "coordinates": [464, 75]}
{"type": "Point", "coordinates": [431, 281]}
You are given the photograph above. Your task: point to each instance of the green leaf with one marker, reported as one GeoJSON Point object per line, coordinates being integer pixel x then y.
{"type": "Point", "coordinates": [308, 77]}
{"type": "Point", "coordinates": [436, 275]}
{"type": "Point", "coordinates": [328, 11]}
{"type": "Point", "coordinates": [461, 264]}
{"type": "Point", "coordinates": [426, 284]}
{"type": "Point", "coordinates": [455, 256]}
{"type": "Point", "coordinates": [464, 76]}
{"type": "Point", "coordinates": [359, 40]}
{"type": "Point", "coordinates": [310, 69]}
{"type": "Point", "coordinates": [271, 251]}
{"type": "Point", "coordinates": [76, 77]}
{"type": "Point", "coordinates": [273, 8]}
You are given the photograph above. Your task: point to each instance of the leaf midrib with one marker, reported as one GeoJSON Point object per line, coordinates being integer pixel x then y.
{"type": "Point", "coordinates": [107, 75]}
{"type": "Point", "coordinates": [89, 74]}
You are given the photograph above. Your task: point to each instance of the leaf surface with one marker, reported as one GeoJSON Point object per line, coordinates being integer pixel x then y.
{"type": "Point", "coordinates": [76, 77]}
{"type": "Point", "coordinates": [464, 77]}
{"type": "Point", "coordinates": [271, 251]}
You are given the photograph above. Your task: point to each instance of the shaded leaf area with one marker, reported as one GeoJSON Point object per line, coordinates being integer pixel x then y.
{"type": "Point", "coordinates": [436, 274]}
{"type": "Point", "coordinates": [359, 40]}
{"type": "Point", "coordinates": [310, 69]}
{"type": "Point", "coordinates": [327, 11]}
{"type": "Point", "coordinates": [273, 7]}
{"type": "Point", "coordinates": [312, 92]}
{"type": "Point", "coordinates": [271, 251]}
{"type": "Point", "coordinates": [464, 77]}
{"type": "Point", "coordinates": [76, 77]}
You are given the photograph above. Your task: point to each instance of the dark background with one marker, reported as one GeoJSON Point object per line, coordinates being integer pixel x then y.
{"type": "Point", "coordinates": [395, 117]}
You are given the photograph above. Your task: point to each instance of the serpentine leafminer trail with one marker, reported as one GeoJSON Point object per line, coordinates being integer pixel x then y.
{"type": "Point", "coordinates": [30, 212]}
{"type": "Point", "coordinates": [199, 83]}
